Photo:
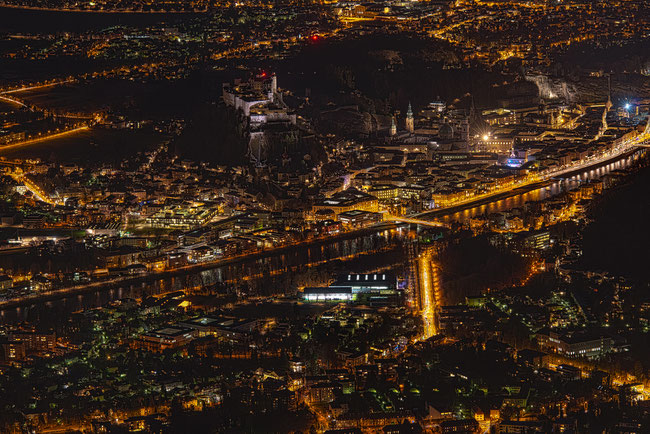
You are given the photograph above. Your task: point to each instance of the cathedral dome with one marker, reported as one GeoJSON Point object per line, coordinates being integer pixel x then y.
{"type": "Point", "coordinates": [446, 131]}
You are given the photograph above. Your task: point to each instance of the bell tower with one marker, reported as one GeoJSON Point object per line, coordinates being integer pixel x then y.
{"type": "Point", "coordinates": [410, 122]}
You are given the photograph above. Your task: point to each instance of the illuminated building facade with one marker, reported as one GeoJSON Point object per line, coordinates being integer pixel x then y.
{"type": "Point", "coordinates": [410, 121]}
{"type": "Point", "coordinates": [578, 344]}
{"type": "Point", "coordinates": [357, 218]}
{"type": "Point", "coordinates": [165, 338]}
{"type": "Point", "coordinates": [182, 217]}
{"type": "Point", "coordinates": [374, 289]}
{"type": "Point", "coordinates": [348, 200]}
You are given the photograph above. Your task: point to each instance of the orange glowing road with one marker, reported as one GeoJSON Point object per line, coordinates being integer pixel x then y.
{"type": "Point", "coordinates": [37, 191]}
{"type": "Point", "coordinates": [43, 138]}
{"type": "Point", "coordinates": [37, 86]}
{"type": "Point", "coordinates": [429, 287]}
{"type": "Point", "coordinates": [13, 101]}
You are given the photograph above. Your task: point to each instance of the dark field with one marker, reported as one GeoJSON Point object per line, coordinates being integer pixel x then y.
{"type": "Point", "coordinates": [617, 241]}
{"type": "Point", "coordinates": [95, 145]}
{"type": "Point", "coordinates": [32, 21]}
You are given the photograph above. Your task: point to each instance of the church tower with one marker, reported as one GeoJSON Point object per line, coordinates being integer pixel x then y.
{"type": "Point", "coordinates": [410, 122]}
{"type": "Point", "coordinates": [393, 126]}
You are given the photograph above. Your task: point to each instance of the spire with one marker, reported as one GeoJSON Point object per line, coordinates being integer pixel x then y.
{"type": "Point", "coordinates": [393, 126]}
{"type": "Point", "coordinates": [410, 123]}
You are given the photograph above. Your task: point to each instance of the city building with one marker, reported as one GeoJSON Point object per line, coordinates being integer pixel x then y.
{"type": "Point", "coordinates": [375, 289]}
{"type": "Point", "coordinates": [164, 338]}
{"type": "Point", "coordinates": [347, 200]}
{"type": "Point", "coordinates": [581, 343]}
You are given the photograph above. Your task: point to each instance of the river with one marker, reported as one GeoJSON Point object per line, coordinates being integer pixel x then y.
{"type": "Point", "coordinates": [552, 189]}
{"type": "Point", "coordinates": [272, 274]}
{"type": "Point", "coordinates": [308, 265]}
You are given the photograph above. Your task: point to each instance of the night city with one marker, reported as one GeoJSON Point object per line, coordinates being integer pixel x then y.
{"type": "Point", "coordinates": [327, 217]}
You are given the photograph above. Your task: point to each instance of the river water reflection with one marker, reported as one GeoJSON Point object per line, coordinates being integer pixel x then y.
{"type": "Point", "coordinates": [551, 190]}
{"type": "Point", "coordinates": [275, 270]}
{"type": "Point", "coordinates": [280, 269]}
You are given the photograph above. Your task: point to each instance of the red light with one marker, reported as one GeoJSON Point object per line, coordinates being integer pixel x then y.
{"type": "Point", "coordinates": [315, 37]}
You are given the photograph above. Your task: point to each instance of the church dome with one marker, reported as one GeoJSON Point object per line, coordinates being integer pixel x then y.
{"type": "Point", "coordinates": [446, 131]}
